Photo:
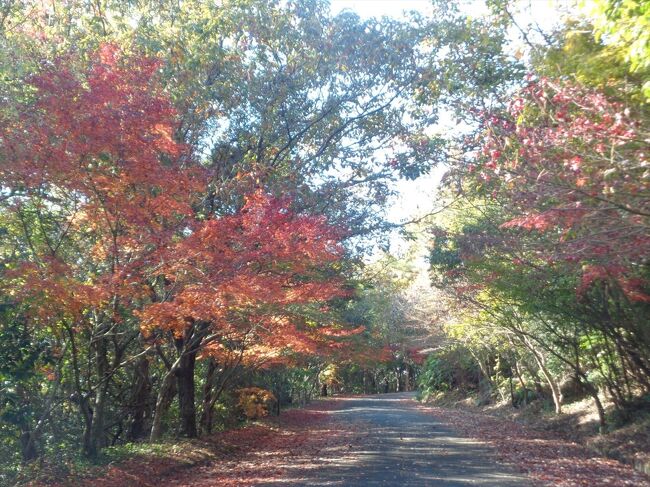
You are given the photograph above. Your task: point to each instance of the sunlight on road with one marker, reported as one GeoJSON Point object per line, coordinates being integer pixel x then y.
{"type": "Point", "coordinates": [398, 445]}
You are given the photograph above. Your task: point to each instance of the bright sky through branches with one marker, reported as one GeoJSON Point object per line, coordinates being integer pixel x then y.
{"type": "Point", "coordinates": [416, 198]}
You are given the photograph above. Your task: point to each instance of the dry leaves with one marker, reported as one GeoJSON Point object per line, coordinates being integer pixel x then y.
{"type": "Point", "coordinates": [542, 455]}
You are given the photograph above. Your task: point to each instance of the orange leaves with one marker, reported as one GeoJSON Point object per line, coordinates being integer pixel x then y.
{"type": "Point", "coordinates": [50, 292]}
{"type": "Point", "coordinates": [254, 402]}
{"type": "Point", "coordinates": [249, 274]}
{"type": "Point", "coordinates": [93, 152]}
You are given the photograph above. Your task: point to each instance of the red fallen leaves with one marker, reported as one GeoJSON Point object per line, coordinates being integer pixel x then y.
{"type": "Point", "coordinates": [546, 458]}
{"type": "Point", "coordinates": [304, 439]}
{"type": "Point", "coordinates": [239, 457]}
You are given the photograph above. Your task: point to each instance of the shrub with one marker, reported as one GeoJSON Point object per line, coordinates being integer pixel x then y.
{"type": "Point", "coordinates": [254, 402]}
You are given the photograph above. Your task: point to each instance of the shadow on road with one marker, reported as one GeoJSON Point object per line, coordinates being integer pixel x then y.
{"type": "Point", "coordinates": [400, 446]}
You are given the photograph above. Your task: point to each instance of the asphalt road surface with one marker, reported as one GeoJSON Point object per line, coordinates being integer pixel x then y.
{"type": "Point", "coordinates": [400, 445]}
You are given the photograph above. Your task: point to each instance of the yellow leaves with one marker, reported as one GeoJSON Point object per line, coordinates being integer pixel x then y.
{"type": "Point", "coordinates": [255, 402]}
{"type": "Point", "coordinates": [330, 375]}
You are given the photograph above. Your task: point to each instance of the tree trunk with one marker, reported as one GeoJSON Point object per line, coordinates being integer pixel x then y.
{"type": "Point", "coordinates": [593, 393]}
{"type": "Point", "coordinates": [87, 413]}
{"type": "Point", "coordinates": [520, 377]}
{"type": "Point", "coordinates": [602, 422]}
{"type": "Point", "coordinates": [485, 385]}
{"type": "Point", "coordinates": [185, 377]}
{"type": "Point", "coordinates": [140, 399]}
{"type": "Point", "coordinates": [558, 398]}
{"type": "Point", "coordinates": [79, 396]}
{"type": "Point", "coordinates": [207, 408]}
{"type": "Point", "coordinates": [537, 382]}
{"type": "Point", "coordinates": [95, 439]}
{"type": "Point", "coordinates": [28, 448]}
{"type": "Point", "coordinates": [165, 397]}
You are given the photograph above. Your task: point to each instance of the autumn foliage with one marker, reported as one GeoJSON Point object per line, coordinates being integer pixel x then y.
{"type": "Point", "coordinates": [116, 247]}
{"type": "Point", "coordinates": [255, 402]}
{"type": "Point", "coordinates": [244, 272]}
{"type": "Point", "coordinates": [549, 257]}
{"type": "Point", "coordinates": [194, 224]}
{"type": "Point", "coordinates": [93, 160]}
{"type": "Point", "coordinates": [574, 164]}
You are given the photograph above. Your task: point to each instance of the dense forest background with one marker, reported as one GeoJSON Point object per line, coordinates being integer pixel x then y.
{"type": "Point", "coordinates": [193, 204]}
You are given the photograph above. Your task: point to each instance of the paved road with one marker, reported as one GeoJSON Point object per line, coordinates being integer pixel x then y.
{"type": "Point", "coordinates": [403, 446]}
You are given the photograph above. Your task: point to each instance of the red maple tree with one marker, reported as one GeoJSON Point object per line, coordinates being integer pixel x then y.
{"type": "Point", "coordinates": [249, 284]}
{"type": "Point", "coordinates": [94, 186]}
{"type": "Point", "coordinates": [572, 164]}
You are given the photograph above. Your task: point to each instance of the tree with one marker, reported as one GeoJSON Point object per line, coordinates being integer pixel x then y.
{"type": "Point", "coordinates": [625, 25]}
{"type": "Point", "coordinates": [352, 99]}
{"type": "Point", "coordinates": [240, 283]}
{"type": "Point", "coordinates": [185, 192]}
{"type": "Point", "coordinates": [93, 188]}
{"type": "Point", "coordinates": [548, 238]}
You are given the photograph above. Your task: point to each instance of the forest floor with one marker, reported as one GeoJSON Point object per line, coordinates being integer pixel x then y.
{"type": "Point", "coordinates": [627, 441]}
{"type": "Point", "coordinates": [387, 440]}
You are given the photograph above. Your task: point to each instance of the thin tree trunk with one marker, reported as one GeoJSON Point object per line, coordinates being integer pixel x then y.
{"type": "Point", "coordinates": [558, 398]}
{"type": "Point", "coordinates": [593, 393]}
{"type": "Point", "coordinates": [520, 378]}
{"type": "Point", "coordinates": [166, 395]}
{"type": "Point", "coordinates": [28, 448]}
{"type": "Point", "coordinates": [140, 399]}
{"type": "Point", "coordinates": [207, 408]}
{"type": "Point", "coordinates": [96, 437]}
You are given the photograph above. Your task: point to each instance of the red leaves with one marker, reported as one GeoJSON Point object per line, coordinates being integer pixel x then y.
{"type": "Point", "coordinates": [306, 437]}
{"type": "Point", "coordinates": [562, 160]}
{"type": "Point", "coordinates": [633, 288]}
{"type": "Point", "coordinates": [248, 274]}
{"type": "Point", "coordinates": [541, 222]}
{"type": "Point", "coordinates": [93, 152]}
{"type": "Point", "coordinates": [100, 130]}
{"type": "Point", "coordinates": [240, 457]}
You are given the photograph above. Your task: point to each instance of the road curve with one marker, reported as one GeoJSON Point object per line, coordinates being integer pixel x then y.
{"type": "Point", "coordinates": [400, 445]}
